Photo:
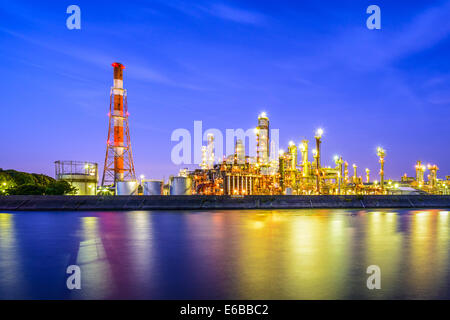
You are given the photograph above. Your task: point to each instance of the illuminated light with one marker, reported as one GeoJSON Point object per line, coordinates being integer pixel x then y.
{"type": "Point", "coordinates": [258, 224]}
{"type": "Point", "coordinates": [142, 176]}
{"type": "Point", "coordinates": [319, 132]}
{"type": "Point", "coordinates": [263, 115]}
{"type": "Point", "coordinates": [443, 212]}
{"type": "Point", "coordinates": [115, 65]}
{"type": "Point", "coordinates": [336, 158]}
{"type": "Point", "coordinates": [314, 152]}
{"type": "Point", "coordinates": [291, 143]}
{"type": "Point", "coordinates": [281, 152]}
{"type": "Point", "coordinates": [396, 186]}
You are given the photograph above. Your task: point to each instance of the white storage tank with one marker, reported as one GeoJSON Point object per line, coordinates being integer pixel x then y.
{"type": "Point", "coordinates": [180, 186]}
{"type": "Point", "coordinates": [152, 187]}
{"type": "Point", "coordinates": [81, 175]}
{"type": "Point", "coordinates": [127, 188]}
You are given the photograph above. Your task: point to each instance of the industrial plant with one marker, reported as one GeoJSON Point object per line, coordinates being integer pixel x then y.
{"type": "Point", "coordinates": [296, 171]}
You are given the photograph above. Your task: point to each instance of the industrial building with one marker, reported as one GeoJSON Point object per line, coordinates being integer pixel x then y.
{"type": "Point", "coordinates": [294, 173]}
{"type": "Point", "coordinates": [270, 172]}
{"type": "Point", "coordinates": [81, 175]}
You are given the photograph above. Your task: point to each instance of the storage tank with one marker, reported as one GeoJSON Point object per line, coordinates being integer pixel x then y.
{"type": "Point", "coordinates": [180, 186]}
{"type": "Point", "coordinates": [81, 175]}
{"type": "Point", "coordinates": [126, 188]}
{"type": "Point", "coordinates": [152, 187]}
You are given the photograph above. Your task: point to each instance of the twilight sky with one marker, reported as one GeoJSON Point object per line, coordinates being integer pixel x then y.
{"type": "Point", "coordinates": [308, 63]}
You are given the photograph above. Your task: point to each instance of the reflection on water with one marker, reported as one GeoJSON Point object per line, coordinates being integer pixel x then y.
{"type": "Point", "coordinates": [282, 254]}
{"type": "Point", "coordinates": [11, 277]}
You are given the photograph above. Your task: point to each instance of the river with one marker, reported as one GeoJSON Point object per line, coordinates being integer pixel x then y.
{"type": "Point", "coordinates": [242, 254]}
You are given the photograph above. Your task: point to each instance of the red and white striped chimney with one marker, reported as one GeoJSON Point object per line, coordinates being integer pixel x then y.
{"type": "Point", "coordinates": [118, 118]}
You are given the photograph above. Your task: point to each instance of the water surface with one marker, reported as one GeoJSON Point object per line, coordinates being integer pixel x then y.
{"type": "Point", "coordinates": [255, 254]}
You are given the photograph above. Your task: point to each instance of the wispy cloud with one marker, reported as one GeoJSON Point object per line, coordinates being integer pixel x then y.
{"type": "Point", "coordinates": [144, 73]}
{"type": "Point", "coordinates": [372, 52]}
{"type": "Point", "coordinates": [234, 14]}
{"type": "Point", "coordinates": [139, 71]}
{"type": "Point", "coordinates": [219, 10]}
{"type": "Point", "coordinates": [424, 31]}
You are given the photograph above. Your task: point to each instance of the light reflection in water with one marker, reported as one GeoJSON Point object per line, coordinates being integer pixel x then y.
{"type": "Point", "coordinates": [12, 284]}
{"type": "Point", "coordinates": [429, 253]}
{"type": "Point", "coordinates": [279, 254]}
{"type": "Point", "coordinates": [383, 248]}
{"type": "Point", "coordinates": [97, 281]}
{"type": "Point", "coordinates": [139, 229]}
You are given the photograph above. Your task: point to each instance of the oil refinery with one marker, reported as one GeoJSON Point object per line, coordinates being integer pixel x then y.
{"type": "Point", "coordinates": [296, 171]}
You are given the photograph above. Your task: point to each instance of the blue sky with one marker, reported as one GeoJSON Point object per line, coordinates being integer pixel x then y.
{"type": "Point", "coordinates": [307, 63]}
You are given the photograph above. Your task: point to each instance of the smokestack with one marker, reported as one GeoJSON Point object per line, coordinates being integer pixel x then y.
{"type": "Point", "coordinates": [119, 164]}
{"type": "Point", "coordinates": [118, 115]}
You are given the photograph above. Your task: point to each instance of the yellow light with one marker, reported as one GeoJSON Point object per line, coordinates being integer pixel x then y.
{"type": "Point", "coordinates": [258, 224]}
{"type": "Point", "coordinates": [319, 132]}
{"type": "Point", "coordinates": [291, 143]}
{"type": "Point", "coordinates": [336, 158]}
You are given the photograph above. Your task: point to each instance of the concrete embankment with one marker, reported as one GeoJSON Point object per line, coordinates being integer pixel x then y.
{"type": "Point", "coordinates": [99, 203]}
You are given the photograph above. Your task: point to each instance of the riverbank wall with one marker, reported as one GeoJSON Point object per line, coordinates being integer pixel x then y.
{"type": "Point", "coordinates": [132, 203]}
